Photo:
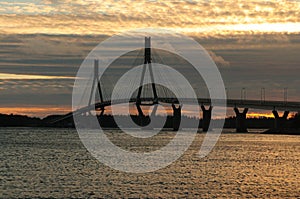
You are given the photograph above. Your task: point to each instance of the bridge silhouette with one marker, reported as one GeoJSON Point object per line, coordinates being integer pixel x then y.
{"type": "Point", "coordinates": [160, 95]}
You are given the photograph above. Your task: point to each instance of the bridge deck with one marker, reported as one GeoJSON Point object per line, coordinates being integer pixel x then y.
{"type": "Point", "coordinates": [254, 104]}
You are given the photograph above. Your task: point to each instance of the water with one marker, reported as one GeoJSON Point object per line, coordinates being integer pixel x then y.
{"type": "Point", "coordinates": [43, 163]}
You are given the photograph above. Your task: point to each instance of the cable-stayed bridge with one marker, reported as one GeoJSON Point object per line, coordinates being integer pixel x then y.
{"type": "Point", "coordinates": [151, 94]}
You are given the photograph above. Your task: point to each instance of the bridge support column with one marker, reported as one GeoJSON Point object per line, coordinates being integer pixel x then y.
{"type": "Point", "coordinates": [141, 116]}
{"type": "Point", "coordinates": [241, 120]}
{"type": "Point", "coordinates": [100, 116]}
{"type": "Point", "coordinates": [206, 118]}
{"type": "Point", "coordinates": [176, 117]}
{"type": "Point", "coordinates": [280, 122]}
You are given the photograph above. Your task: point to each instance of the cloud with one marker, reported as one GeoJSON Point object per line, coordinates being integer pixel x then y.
{"type": "Point", "coordinates": [8, 76]}
{"type": "Point", "coordinates": [218, 59]}
{"type": "Point", "coordinates": [41, 45]}
{"type": "Point", "coordinates": [108, 17]}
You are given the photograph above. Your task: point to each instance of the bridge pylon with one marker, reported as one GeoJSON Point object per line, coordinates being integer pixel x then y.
{"type": "Point", "coordinates": [97, 83]}
{"type": "Point", "coordinates": [147, 64]}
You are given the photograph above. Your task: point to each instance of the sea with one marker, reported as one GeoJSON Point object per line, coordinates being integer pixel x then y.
{"type": "Point", "coordinates": [53, 163]}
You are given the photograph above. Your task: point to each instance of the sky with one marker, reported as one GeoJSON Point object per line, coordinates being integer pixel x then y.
{"type": "Point", "coordinates": [255, 43]}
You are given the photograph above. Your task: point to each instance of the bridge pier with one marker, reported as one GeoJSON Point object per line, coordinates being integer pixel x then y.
{"type": "Point", "coordinates": [206, 118]}
{"type": "Point", "coordinates": [141, 117]}
{"type": "Point", "coordinates": [176, 117]}
{"type": "Point", "coordinates": [280, 122]}
{"type": "Point", "coordinates": [241, 120]}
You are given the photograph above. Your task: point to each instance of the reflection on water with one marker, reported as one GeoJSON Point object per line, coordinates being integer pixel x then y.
{"type": "Point", "coordinates": [54, 163]}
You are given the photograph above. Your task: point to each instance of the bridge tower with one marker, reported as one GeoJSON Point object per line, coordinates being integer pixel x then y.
{"type": "Point", "coordinates": [147, 62]}
{"type": "Point", "coordinates": [96, 82]}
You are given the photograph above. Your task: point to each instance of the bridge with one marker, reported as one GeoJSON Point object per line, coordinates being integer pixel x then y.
{"type": "Point", "coordinates": [240, 106]}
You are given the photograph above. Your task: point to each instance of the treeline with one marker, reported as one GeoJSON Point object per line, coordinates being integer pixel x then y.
{"type": "Point", "coordinates": [108, 121]}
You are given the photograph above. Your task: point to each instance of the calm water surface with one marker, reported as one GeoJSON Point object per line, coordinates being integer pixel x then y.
{"type": "Point", "coordinates": [53, 163]}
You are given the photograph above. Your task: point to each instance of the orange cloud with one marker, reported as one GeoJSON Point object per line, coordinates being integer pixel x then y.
{"type": "Point", "coordinates": [8, 76]}
{"type": "Point", "coordinates": [108, 17]}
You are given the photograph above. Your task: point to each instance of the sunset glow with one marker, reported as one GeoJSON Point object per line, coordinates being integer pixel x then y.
{"type": "Point", "coordinates": [35, 111]}
{"type": "Point", "coordinates": [258, 115]}
{"type": "Point", "coordinates": [254, 43]}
